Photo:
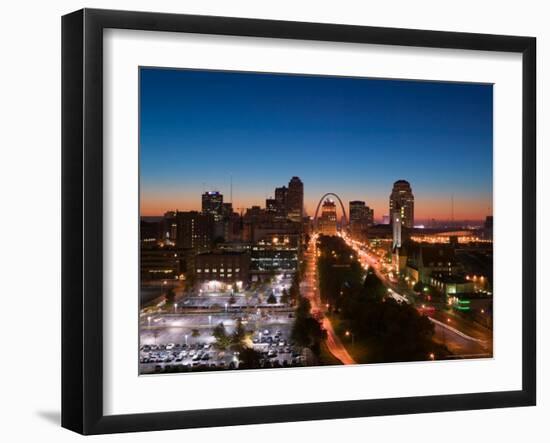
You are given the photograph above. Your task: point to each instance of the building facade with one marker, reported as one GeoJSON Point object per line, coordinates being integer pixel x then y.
{"type": "Point", "coordinates": [295, 200]}
{"type": "Point", "coordinates": [327, 223]}
{"type": "Point", "coordinates": [222, 266]}
{"type": "Point", "coordinates": [402, 203]}
{"type": "Point", "coordinates": [212, 204]}
{"type": "Point", "coordinates": [195, 230]}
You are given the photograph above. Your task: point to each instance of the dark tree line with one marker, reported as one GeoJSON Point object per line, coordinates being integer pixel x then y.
{"type": "Point", "coordinates": [307, 331]}
{"type": "Point", "coordinates": [389, 331]}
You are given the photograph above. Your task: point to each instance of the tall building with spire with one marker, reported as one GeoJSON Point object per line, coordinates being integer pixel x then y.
{"type": "Point", "coordinates": [295, 199]}
{"type": "Point", "coordinates": [402, 203]}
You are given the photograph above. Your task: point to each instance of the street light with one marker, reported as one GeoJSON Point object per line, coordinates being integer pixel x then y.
{"type": "Point", "coordinates": [432, 356]}
{"type": "Point", "coordinates": [225, 306]}
{"type": "Point", "coordinates": [175, 308]}
{"type": "Point", "coordinates": [348, 333]}
{"type": "Point", "coordinates": [185, 339]}
{"type": "Point", "coordinates": [209, 319]}
{"type": "Point", "coordinates": [149, 320]}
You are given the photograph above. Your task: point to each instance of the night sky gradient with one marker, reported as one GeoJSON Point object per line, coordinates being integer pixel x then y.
{"type": "Point", "coordinates": [351, 136]}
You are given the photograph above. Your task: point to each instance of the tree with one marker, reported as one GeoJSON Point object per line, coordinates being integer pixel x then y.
{"type": "Point", "coordinates": [195, 333]}
{"type": "Point", "coordinates": [249, 358]}
{"type": "Point", "coordinates": [232, 300]}
{"type": "Point", "coordinates": [285, 297]}
{"type": "Point", "coordinates": [240, 333]}
{"type": "Point", "coordinates": [170, 296]}
{"type": "Point", "coordinates": [219, 333]}
{"type": "Point", "coordinates": [418, 286]}
{"type": "Point", "coordinates": [307, 331]}
{"type": "Point", "coordinates": [271, 299]}
{"type": "Point", "coordinates": [373, 286]}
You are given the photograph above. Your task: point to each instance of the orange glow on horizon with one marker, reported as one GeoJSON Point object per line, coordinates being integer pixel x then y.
{"type": "Point", "coordinates": [433, 209]}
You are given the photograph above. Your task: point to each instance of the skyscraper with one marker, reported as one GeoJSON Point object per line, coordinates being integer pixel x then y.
{"type": "Point", "coordinates": [295, 199]}
{"type": "Point", "coordinates": [271, 205]}
{"type": "Point", "coordinates": [327, 221]}
{"type": "Point", "coordinates": [396, 231]}
{"type": "Point", "coordinates": [195, 230]}
{"type": "Point", "coordinates": [357, 211]}
{"type": "Point", "coordinates": [212, 203]}
{"type": "Point", "coordinates": [281, 195]}
{"type": "Point", "coordinates": [402, 203]}
{"type": "Point", "coordinates": [360, 218]}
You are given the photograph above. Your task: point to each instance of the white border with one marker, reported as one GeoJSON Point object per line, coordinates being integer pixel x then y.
{"type": "Point", "coordinates": [125, 392]}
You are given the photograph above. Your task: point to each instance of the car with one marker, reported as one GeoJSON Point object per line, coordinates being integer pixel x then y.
{"type": "Point", "coordinates": [205, 357]}
{"type": "Point", "coordinates": [191, 353]}
{"type": "Point", "coordinates": [179, 358]}
{"type": "Point", "coordinates": [170, 346]}
{"type": "Point", "coordinates": [158, 368]}
{"type": "Point", "coordinates": [206, 346]}
{"type": "Point", "coordinates": [266, 331]}
{"type": "Point", "coordinates": [221, 364]}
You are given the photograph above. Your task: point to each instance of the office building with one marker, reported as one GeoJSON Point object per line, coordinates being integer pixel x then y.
{"type": "Point", "coordinates": [327, 224]}
{"type": "Point", "coordinates": [195, 230]}
{"type": "Point", "coordinates": [212, 203]}
{"type": "Point", "coordinates": [402, 203]}
{"type": "Point", "coordinates": [295, 200]}
{"type": "Point", "coordinates": [222, 266]}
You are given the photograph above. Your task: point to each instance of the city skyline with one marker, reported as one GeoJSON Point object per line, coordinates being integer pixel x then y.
{"type": "Point", "coordinates": [233, 276]}
{"type": "Point", "coordinates": [446, 129]}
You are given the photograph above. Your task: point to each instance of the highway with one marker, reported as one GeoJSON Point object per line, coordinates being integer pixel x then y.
{"type": "Point", "coordinates": [462, 337]}
{"type": "Point", "coordinates": [310, 290]}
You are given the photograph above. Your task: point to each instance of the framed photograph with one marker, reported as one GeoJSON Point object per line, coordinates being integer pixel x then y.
{"type": "Point", "coordinates": [269, 221]}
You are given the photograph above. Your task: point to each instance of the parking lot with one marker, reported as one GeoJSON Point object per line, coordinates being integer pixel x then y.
{"type": "Point", "coordinates": [171, 346]}
{"type": "Point", "coordinates": [181, 339]}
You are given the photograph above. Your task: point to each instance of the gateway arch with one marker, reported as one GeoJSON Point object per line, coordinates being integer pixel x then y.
{"type": "Point", "coordinates": [321, 201]}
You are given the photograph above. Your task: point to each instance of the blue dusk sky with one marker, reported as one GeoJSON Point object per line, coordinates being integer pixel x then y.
{"type": "Point", "coordinates": [350, 136]}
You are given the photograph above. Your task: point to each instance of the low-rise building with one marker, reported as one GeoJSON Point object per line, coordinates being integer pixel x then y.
{"type": "Point", "coordinates": [223, 266]}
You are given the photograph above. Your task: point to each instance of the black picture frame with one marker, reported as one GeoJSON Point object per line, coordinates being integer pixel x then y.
{"type": "Point", "coordinates": [82, 217]}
